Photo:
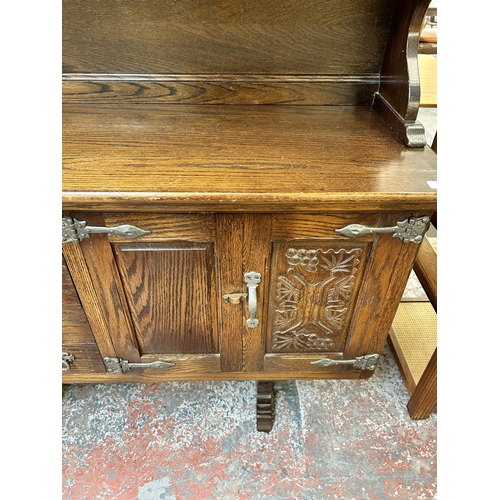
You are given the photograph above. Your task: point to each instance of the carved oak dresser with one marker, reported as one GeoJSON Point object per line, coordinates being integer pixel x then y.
{"type": "Point", "coordinates": [245, 187]}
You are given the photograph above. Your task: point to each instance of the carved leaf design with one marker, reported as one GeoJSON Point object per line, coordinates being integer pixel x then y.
{"type": "Point", "coordinates": [301, 341]}
{"type": "Point", "coordinates": [287, 290]}
{"type": "Point", "coordinates": [335, 316]}
{"type": "Point", "coordinates": [339, 262]}
{"type": "Point", "coordinates": [341, 290]}
{"type": "Point", "coordinates": [283, 318]}
{"type": "Point", "coordinates": [311, 302]}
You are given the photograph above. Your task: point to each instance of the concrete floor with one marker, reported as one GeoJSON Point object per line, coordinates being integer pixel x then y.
{"type": "Point", "coordinates": [339, 439]}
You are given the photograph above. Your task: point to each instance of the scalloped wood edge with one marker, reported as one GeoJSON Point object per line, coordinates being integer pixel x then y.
{"type": "Point", "coordinates": [412, 133]}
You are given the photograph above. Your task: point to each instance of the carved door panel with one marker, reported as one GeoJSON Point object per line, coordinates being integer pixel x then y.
{"type": "Point", "coordinates": [314, 287]}
{"type": "Point", "coordinates": [322, 287]}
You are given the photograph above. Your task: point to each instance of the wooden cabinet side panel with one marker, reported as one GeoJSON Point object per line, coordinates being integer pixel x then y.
{"type": "Point", "coordinates": [400, 82]}
{"type": "Point", "coordinates": [77, 337]}
{"type": "Point", "coordinates": [75, 261]}
{"type": "Point", "coordinates": [388, 268]}
{"type": "Point", "coordinates": [106, 281]}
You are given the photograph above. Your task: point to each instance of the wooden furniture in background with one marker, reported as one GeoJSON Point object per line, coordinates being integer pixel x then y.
{"type": "Point", "coordinates": [245, 187]}
{"type": "Point", "coordinates": [413, 338]}
{"type": "Point", "coordinates": [423, 399]}
{"type": "Point", "coordinates": [427, 66]}
{"type": "Point", "coordinates": [419, 371]}
{"type": "Point", "coordinates": [428, 33]}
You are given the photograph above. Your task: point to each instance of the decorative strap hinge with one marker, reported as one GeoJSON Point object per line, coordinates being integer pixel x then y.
{"type": "Point", "coordinates": [367, 362]}
{"type": "Point", "coordinates": [408, 230]}
{"type": "Point", "coordinates": [74, 231]}
{"type": "Point", "coordinates": [117, 365]}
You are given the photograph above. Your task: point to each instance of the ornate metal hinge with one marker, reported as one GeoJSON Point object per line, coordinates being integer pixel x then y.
{"type": "Point", "coordinates": [67, 359]}
{"type": "Point", "coordinates": [74, 230]}
{"type": "Point", "coordinates": [117, 365]}
{"type": "Point", "coordinates": [409, 230]}
{"type": "Point", "coordinates": [367, 362]}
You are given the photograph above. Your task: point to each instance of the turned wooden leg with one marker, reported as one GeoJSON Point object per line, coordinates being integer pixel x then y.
{"type": "Point", "coordinates": [265, 406]}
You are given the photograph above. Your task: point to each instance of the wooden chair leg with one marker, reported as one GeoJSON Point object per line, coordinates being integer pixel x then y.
{"type": "Point", "coordinates": [265, 406]}
{"type": "Point", "coordinates": [424, 398]}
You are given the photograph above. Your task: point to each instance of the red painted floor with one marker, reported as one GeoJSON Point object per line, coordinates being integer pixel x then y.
{"type": "Point", "coordinates": [339, 439]}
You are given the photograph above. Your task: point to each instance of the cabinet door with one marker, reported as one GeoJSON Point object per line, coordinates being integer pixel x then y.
{"type": "Point", "coordinates": [158, 292]}
{"type": "Point", "coordinates": [322, 298]}
{"type": "Point", "coordinates": [332, 297]}
{"type": "Point", "coordinates": [161, 297]}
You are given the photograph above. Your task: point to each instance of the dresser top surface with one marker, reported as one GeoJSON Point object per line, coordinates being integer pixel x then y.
{"type": "Point", "coordinates": [239, 154]}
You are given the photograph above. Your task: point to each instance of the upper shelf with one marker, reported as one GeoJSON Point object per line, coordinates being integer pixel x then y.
{"type": "Point", "coordinates": [300, 52]}
{"type": "Point", "coordinates": [259, 105]}
{"type": "Point", "coordinates": [263, 158]}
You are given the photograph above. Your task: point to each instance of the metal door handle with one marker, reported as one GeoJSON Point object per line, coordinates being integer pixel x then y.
{"type": "Point", "coordinates": [252, 279]}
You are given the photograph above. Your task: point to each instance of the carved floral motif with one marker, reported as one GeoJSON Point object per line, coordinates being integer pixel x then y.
{"type": "Point", "coordinates": [312, 299]}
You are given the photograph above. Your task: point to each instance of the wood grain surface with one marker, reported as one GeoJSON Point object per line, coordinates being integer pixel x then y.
{"type": "Point", "coordinates": [77, 337]}
{"type": "Point", "coordinates": [229, 242]}
{"type": "Point", "coordinates": [387, 271]}
{"type": "Point", "coordinates": [206, 368]}
{"type": "Point", "coordinates": [225, 36]}
{"type": "Point", "coordinates": [106, 281]}
{"type": "Point", "coordinates": [170, 290]}
{"type": "Point", "coordinates": [256, 251]}
{"type": "Point", "coordinates": [266, 158]}
{"type": "Point", "coordinates": [355, 90]}
{"type": "Point", "coordinates": [165, 227]}
{"type": "Point", "coordinates": [424, 399]}
{"type": "Point", "coordinates": [75, 262]}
